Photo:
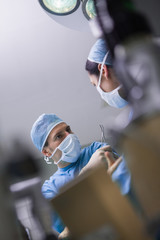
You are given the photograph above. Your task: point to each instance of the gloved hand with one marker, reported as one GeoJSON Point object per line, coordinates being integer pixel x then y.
{"type": "Point", "coordinates": [113, 162]}
{"type": "Point", "coordinates": [103, 154]}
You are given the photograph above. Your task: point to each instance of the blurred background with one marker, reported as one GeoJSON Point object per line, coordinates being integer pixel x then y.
{"type": "Point", "coordinates": [42, 66]}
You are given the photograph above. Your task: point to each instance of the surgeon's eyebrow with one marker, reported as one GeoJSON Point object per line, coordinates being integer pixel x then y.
{"type": "Point", "coordinates": [61, 132]}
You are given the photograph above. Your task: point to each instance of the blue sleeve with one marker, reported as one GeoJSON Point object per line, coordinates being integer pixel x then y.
{"type": "Point", "coordinates": [49, 191]}
{"type": "Point", "coordinates": [94, 146]}
{"type": "Point", "coordinates": [122, 177]}
{"type": "Point", "coordinates": [57, 223]}
{"type": "Point", "coordinates": [87, 153]}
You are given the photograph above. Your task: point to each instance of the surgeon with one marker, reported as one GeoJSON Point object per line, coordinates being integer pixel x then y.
{"type": "Point", "coordinates": [55, 140]}
{"type": "Point", "coordinates": [102, 75]}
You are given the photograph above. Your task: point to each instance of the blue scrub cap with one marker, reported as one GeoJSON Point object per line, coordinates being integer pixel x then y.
{"type": "Point", "coordinates": [42, 128]}
{"type": "Point", "coordinates": [98, 52]}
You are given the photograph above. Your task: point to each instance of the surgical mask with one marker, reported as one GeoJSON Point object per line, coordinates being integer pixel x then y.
{"type": "Point", "coordinates": [112, 98]}
{"type": "Point", "coordinates": [70, 148]}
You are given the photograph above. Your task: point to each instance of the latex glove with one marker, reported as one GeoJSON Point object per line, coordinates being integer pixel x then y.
{"type": "Point", "coordinates": [97, 158]}
{"type": "Point", "coordinates": [103, 154]}
{"type": "Point", "coordinates": [65, 234]}
{"type": "Point", "coordinates": [113, 162]}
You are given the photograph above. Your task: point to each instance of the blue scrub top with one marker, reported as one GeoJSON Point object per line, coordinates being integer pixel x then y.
{"type": "Point", "coordinates": [62, 176]}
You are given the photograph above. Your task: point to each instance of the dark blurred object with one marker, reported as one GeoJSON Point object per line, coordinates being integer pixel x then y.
{"type": "Point", "coordinates": [21, 164]}
{"type": "Point", "coordinates": [92, 207]}
{"type": "Point", "coordinates": [24, 232]}
{"type": "Point", "coordinates": [51, 237]}
{"type": "Point", "coordinates": [21, 179]}
{"type": "Point", "coordinates": [150, 9]}
{"type": "Point", "coordinates": [154, 227]}
{"type": "Point", "coordinates": [140, 142]}
{"type": "Point", "coordinates": [136, 57]}
{"type": "Point", "coordinates": [119, 20]}
{"type": "Point", "coordinates": [9, 227]}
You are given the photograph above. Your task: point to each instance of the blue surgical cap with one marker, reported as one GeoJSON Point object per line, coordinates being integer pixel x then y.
{"type": "Point", "coordinates": [42, 128]}
{"type": "Point", "coordinates": [98, 52]}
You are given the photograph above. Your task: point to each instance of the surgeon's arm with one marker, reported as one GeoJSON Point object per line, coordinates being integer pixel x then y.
{"type": "Point", "coordinates": [104, 154]}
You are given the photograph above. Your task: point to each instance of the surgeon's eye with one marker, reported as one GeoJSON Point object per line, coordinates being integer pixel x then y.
{"type": "Point", "coordinates": [59, 136]}
{"type": "Point", "coordinates": [68, 129]}
{"type": "Point", "coordinates": [93, 84]}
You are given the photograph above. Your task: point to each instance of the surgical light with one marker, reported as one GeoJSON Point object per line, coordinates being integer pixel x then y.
{"type": "Point", "coordinates": [88, 9]}
{"type": "Point", "coordinates": [60, 7]}
{"type": "Point", "coordinates": [66, 7]}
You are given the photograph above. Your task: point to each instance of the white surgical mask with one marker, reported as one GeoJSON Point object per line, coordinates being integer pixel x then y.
{"type": "Point", "coordinates": [112, 98]}
{"type": "Point", "coordinates": [70, 148]}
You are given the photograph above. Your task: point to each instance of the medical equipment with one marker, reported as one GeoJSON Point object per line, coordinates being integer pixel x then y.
{"type": "Point", "coordinates": [73, 14]}
{"type": "Point", "coordinates": [20, 179]}
{"type": "Point", "coordinates": [9, 227]}
{"type": "Point", "coordinates": [66, 7]}
{"type": "Point", "coordinates": [103, 138]}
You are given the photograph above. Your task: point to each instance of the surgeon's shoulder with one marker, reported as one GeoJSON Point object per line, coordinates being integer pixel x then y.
{"type": "Point", "coordinates": [96, 145]}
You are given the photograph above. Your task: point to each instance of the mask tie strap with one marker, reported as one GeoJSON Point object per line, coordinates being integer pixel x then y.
{"type": "Point", "coordinates": [100, 76]}
{"type": "Point", "coordinates": [58, 161]}
{"type": "Point", "coordinates": [46, 159]}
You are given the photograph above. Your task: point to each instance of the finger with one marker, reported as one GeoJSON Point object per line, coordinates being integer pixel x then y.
{"type": "Point", "coordinates": [115, 155]}
{"type": "Point", "coordinates": [110, 158]}
{"type": "Point", "coordinates": [106, 148]}
{"type": "Point", "coordinates": [115, 165]}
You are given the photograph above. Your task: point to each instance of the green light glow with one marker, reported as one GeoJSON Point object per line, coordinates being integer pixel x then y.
{"type": "Point", "coordinates": [60, 6]}
{"type": "Point", "coordinates": [90, 9]}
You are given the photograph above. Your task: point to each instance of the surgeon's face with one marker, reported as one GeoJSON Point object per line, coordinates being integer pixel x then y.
{"type": "Point", "coordinates": [109, 81]}
{"type": "Point", "coordinates": [107, 84]}
{"type": "Point", "coordinates": [56, 136]}
{"type": "Point", "coordinates": [93, 79]}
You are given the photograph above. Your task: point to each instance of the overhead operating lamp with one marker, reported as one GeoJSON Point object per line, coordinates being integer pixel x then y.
{"type": "Point", "coordinates": [60, 7]}
{"type": "Point", "coordinates": [88, 9]}
{"type": "Point", "coordinates": [69, 12]}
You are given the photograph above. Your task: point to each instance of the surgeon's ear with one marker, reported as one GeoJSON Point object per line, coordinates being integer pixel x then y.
{"type": "Point", "coordinates": [104, 71]}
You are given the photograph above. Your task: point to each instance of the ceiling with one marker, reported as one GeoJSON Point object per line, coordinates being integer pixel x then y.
{"type": "Point", "coordinates": [42, 71]}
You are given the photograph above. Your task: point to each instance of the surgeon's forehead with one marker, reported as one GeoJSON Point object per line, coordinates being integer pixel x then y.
{"type": "Point", "coordinates": [60, 127]}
